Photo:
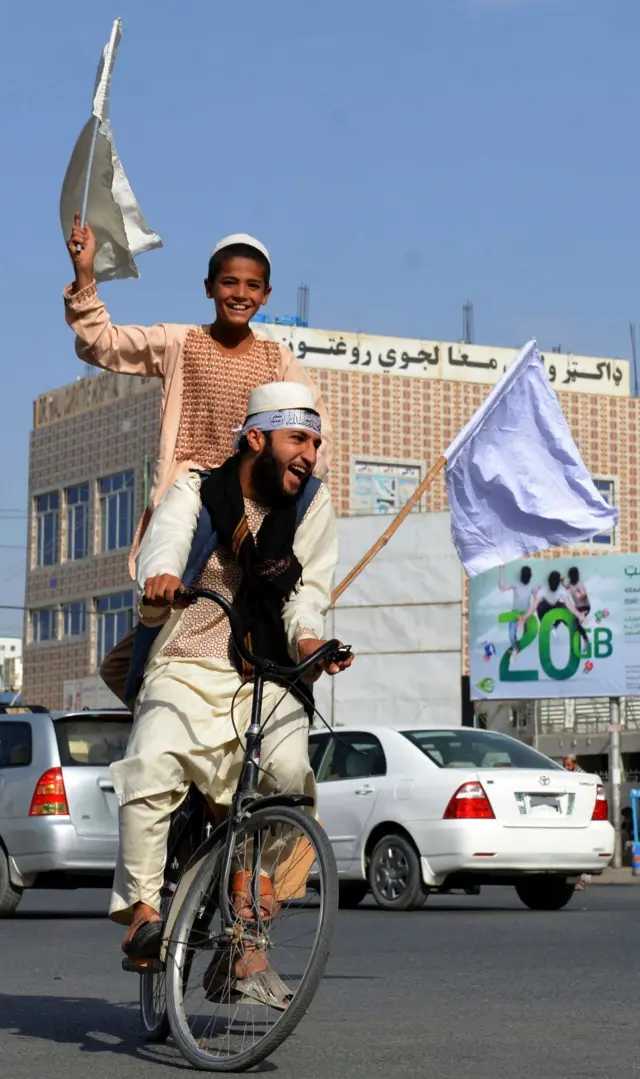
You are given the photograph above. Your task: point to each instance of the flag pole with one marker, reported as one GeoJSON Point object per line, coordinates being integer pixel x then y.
{"type": "Point", "coordinates": [98, 107]}
{"type": "Point", "coordinates": [87, 179]}
{"type": "Point", "coordinates": [386, 536]}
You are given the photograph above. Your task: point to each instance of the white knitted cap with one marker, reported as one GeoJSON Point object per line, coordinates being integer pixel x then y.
{"type": "Point", "coordinates": [241, 238]}
{"type": "Point", "coordinates": [274, 396]}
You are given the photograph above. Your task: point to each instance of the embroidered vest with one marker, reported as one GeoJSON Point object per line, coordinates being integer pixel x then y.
{"type": "Point", "coordinates": [215, 394]}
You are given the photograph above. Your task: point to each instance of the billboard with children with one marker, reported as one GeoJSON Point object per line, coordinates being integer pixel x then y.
{"type": "Point", "coordinates": [565, 627]}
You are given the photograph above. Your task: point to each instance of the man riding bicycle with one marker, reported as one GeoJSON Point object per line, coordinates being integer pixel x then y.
{"type": "Point", "coordinates": [260, 530]}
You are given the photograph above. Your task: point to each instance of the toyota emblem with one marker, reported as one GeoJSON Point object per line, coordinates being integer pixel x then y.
{"type": "Point", "coordinates": [544, 781]}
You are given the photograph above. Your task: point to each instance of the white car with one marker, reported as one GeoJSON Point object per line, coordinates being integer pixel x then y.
{"type": "Point", "coordinates": [412, 811]}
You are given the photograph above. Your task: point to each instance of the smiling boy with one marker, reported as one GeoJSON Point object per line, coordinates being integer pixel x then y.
{"type": "Point", "coordinates": [207, 371]}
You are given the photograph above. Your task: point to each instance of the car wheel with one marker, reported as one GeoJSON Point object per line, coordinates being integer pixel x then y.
{"type": "Point", "coordinates": [544, 893]}
{"type": "Point", "coordinates": [10, 896]}
{"type": "Point", "coordinates": [395, 875]}
{"type": "Point", "coordinates": [351, 893]}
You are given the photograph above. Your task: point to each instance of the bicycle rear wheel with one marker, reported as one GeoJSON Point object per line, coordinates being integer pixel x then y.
{"type": "Point", "coordinates": [222, 1019]}
{"type": "Point", "coordinates": [153, 1006]}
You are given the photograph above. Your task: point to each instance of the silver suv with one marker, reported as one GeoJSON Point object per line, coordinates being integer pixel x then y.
{"type": "Point", "coordinates": [58, 808]}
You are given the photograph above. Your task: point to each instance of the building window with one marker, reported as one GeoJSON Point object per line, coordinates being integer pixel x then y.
{"type": "Point", "coordinates": [116, 511]}
{"type": "Point", "coordinates": [607, 488]}
{"type": "Point", "coordinates": [44, 625]}
{"type": "Point", "coordinates": [47, 528]}
{"type": "Point", "coordinates": [74, 619]}
{"type": "Point", "coordinates": [115, 619]}
{"type": "Point", "coordinates": [77, 521]}
{"type": "Point", "coordinates": [383, 486]}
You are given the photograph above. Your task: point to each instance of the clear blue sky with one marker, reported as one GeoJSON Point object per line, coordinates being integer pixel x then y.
{"type": "Point", "coordinates": [400, 158]}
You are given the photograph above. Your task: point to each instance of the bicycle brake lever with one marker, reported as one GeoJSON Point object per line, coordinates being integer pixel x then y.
{"type": "Point", "coordinates": [341, 653]}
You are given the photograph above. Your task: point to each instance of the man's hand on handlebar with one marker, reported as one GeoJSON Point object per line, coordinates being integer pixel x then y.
{"type": "Point", "coordinates": [160, 591]}
{"type": "Point", "coordinates": [308, 646]}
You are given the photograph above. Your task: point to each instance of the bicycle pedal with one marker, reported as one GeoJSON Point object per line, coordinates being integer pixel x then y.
{"type": "Point", "coordinates": [143, 966]}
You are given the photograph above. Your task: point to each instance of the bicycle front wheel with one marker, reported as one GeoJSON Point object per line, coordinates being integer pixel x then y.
{"type": "Point", "coordinates": [153, 1003]}
{"type": "Point", "coordinates": [234, 993]}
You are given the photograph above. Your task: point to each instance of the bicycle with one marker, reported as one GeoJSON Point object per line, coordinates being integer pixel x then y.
{"type": "Point", "coordinates": [202, 920]}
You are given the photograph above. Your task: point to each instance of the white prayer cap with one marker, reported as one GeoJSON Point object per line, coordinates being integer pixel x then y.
{"type": "Point", "coordinates": [279, 395]}
{"type": "Point", "coordinates": [241, 238]}
{"type": "Point", "coordinates": [279, 406]}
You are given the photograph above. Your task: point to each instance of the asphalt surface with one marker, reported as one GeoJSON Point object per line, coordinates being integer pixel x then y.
{"type": "Point", "coordinates": [477, 987]}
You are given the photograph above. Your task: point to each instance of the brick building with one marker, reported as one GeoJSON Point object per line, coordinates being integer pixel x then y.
{"type": "Point", "coordinates": [395, 405]}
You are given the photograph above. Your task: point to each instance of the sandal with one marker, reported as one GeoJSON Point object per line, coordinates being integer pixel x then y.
{"type": "Point", "coordinates": [145, 942]}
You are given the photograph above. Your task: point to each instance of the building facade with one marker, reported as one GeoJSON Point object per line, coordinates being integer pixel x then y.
{"type": "Point", "coordinates": [395, 404]}
{"type": "Point", "coordinates": [10, 665]}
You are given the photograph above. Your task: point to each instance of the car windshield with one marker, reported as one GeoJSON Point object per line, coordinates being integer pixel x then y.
{"type": "Point", "coordinates": [470, 748]}
{"type": "Point", "coordinates": [92, 739]}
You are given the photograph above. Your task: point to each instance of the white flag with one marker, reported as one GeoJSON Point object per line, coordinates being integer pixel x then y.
{"type": "Point", "coordinates": [515, 480]}
{"type": "Point", "coordinates": [112, 211]}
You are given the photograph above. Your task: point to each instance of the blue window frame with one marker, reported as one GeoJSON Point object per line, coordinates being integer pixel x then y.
{"type": "Point", "coordinates": [116, 511]}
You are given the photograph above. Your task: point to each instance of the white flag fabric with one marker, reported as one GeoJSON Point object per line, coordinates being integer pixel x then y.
{"type": "Point", "coordinates": [112, 211]}
{"type": "Point", "coordinates": [515, 480]}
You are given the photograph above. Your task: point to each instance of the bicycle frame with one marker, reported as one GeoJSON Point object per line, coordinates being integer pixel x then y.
{"type": "Point", "coordinates": [246, 792]}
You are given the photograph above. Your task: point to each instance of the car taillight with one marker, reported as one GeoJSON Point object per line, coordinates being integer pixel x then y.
{"type": "Point", "coordinates": [50, 798]}
{"type": "Point", "coordinates": [469, 803]}
{"type": "Point", "coordinates": [601, 808]}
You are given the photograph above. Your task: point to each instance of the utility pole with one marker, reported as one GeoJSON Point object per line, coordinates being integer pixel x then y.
{"type": "Point", "coordinates": [634, 361]}
{"type": "Point", "coordinates": [303, 305]}
{"type": "Point", "coordinates": [467, 323]}
{"type": "Point", "coordinates": [615, 777]}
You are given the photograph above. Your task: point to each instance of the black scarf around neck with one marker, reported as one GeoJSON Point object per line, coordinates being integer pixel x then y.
{"type": "Point", "coordinates": [270, 570]}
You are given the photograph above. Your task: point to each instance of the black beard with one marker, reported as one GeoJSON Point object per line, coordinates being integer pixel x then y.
{"type": "Point", "coordinates": [266, 479]}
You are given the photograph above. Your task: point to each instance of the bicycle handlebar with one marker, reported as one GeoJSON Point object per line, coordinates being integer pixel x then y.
{"type": "Point", "coordinates": [264, 666]}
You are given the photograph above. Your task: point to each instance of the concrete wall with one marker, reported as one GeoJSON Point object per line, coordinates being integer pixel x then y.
{"type": "Point", "coordinates": [403, 618]}
{"type": "Point", "coordinates": [89, 692]}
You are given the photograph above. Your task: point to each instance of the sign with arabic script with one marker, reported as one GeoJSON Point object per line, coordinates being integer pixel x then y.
{"type": "Point", "coordinates": [535, 637]}
{"type": "Point", "coordinates": [415, 358]}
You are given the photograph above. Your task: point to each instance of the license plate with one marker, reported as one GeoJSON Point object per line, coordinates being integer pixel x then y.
{"type": "Point", "coordinates": [541, 803]}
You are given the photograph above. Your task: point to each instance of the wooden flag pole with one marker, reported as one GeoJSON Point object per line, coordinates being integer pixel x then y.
{"type": "Point", "coordinates": [386, 536]}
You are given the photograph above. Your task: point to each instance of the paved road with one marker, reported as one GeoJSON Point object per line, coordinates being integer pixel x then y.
{"type": "Point", "coordinates": [467, 987]}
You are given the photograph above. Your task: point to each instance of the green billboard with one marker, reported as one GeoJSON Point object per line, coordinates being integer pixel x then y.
{"type": "Point", "coordinates": [561, 627]}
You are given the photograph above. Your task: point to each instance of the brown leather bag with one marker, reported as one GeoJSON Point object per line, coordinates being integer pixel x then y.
{"type": "Point", "coordinates": [115, 666]}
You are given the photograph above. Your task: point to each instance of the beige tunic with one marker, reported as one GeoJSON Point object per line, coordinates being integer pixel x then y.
{"type": "Point", "coordinates": [193, 710]}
